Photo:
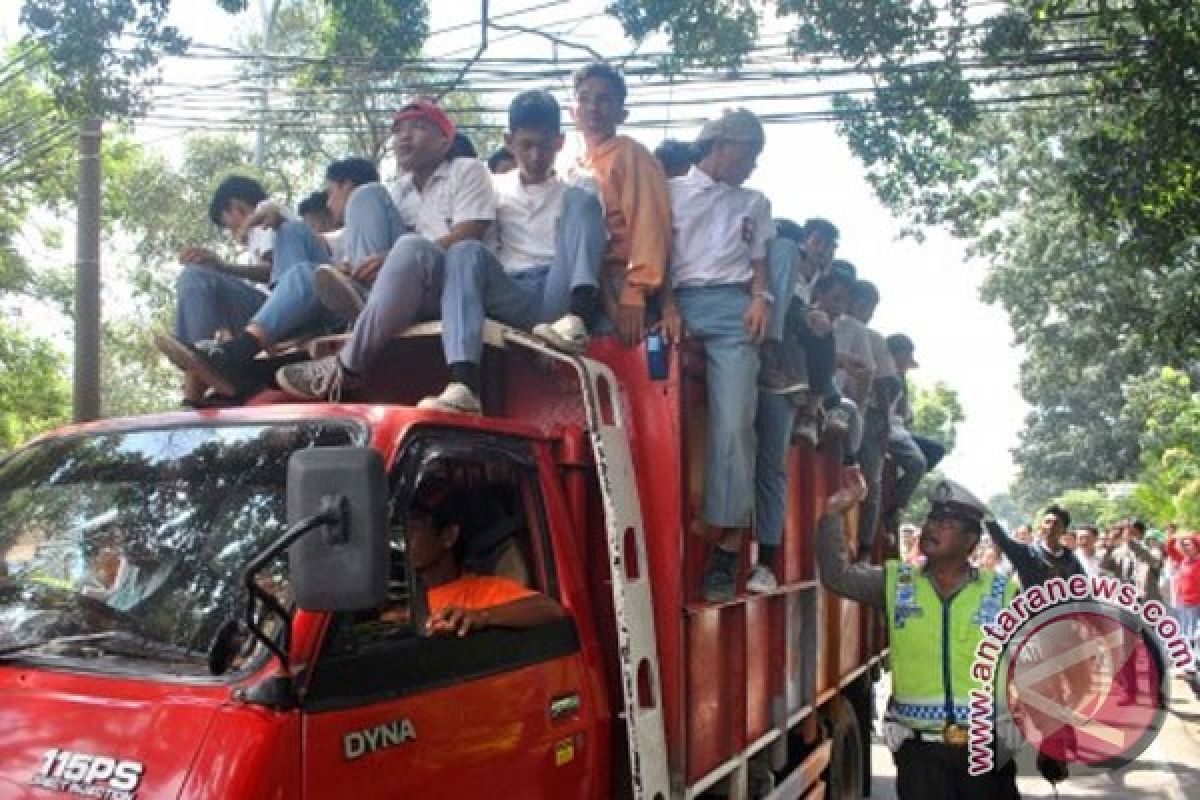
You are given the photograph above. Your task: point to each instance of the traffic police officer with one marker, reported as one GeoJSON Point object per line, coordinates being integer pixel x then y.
{"type": "Point", "coordinates": [935, 615]}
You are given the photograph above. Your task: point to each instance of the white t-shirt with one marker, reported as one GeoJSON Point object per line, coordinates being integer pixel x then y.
{"type": "Point", "coordinates": [458, 190]}
{"type": "Point", "coordinates": [852, 338]}
{"type": "Point", "coordinates": [526, 220]}
{"type": "Point", "coordinates": [885, 367]}
{"type": "Point", "coordinates": [718, 230]}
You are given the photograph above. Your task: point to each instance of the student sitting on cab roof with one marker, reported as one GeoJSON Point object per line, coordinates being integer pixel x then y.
{"type": "Point", "coordinates": [371, 224]}
{"type": "Point", "coordinates": [541, 269]}
{"type": "Point", "coordinates": [442, 200]}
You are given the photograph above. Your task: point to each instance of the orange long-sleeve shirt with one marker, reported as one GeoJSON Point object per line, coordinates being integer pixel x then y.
{"type": "Point", "coordinates": [637, 209]}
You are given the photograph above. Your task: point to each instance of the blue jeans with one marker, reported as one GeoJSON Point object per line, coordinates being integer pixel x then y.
{"type": "Point", "coordinates": [1189, 628]}
{"type": "Point", "coordinates": [295, 243]}
{"type": "Point", "coordinates": [294, 306]}
{"type": "Point", "coordinates": [208, 300]}
{"type": "Point", "coordinates": [372, 224]}
{"type": "Point", "coordinates": [776, 414]}
{"type": "Point", "coordinates": [714, 315]}
{"type": "Point", "coordinates": [477, 285]}
{"type": "Point", "coordinates": [407, 290]}
{"type": "Point", "coordinates": [911, 463]}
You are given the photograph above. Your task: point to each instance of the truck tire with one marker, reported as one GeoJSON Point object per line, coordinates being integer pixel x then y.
{"type": "Point", "coordinates": [861, 695]}
{"type": "Point", "coordinates": [844, 778]}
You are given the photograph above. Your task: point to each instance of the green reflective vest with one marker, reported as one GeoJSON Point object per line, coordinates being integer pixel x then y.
{"type": "Point", "coordinates": [933, 643]}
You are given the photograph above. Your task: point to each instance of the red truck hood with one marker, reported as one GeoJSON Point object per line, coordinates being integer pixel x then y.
{"type": "Point", "coordinates": [71, 735]}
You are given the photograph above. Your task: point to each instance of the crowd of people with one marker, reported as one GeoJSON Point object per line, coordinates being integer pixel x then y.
{"type": "Point", "coordinates": [620, 243]}
{"type": "Point", "coordinates": [1164, 565]}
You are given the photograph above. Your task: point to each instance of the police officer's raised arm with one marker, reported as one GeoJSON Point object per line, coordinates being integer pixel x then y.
{"type": "Point", "coordinates": [860, 582]}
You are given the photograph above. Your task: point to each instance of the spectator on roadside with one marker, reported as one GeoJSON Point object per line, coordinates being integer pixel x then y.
{"type": "Point", "coordinates": [1047, 557]}
{"type": "Point", "coordinates": [1134, 562]}
{"type": "Point", "coordinates": [1183, 549]}
{"type": "Point", "coordinates": [676, 157]}
{"type": "Point", "coordinates": [1087, 549]}
{"type": "Point", "coordinates": [1023, 534]}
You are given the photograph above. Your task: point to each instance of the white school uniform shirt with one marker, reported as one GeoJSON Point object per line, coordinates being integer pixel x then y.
{"type": "Point", "coordinates": [718, 230]}
{"type": "Point", "coordinates": [526, 220]}
{"type": "Point", "coordinates": [458, 190]}
{"type": "Point", "coordinates": [851, 337]}
{"type": "Point", "coordinates": [885, 366]}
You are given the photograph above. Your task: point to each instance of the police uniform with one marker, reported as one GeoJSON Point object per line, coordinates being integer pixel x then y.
{"type": "Point", "coordinates": [933, 640]}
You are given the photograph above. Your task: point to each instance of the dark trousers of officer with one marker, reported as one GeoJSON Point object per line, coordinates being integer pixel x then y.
{"type": "Point", "coordinates": [934, 771]}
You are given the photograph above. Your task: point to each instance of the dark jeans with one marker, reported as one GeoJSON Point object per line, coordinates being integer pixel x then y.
{"type": "Point", "coordinates": [933, 771]}
{"type": "Point", "coordinates": [820, 353]}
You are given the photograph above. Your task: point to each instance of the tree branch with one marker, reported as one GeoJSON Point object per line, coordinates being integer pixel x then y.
{"type": "Point", "coordinates": [558, 40]}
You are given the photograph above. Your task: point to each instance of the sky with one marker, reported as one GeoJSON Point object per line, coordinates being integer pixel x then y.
{"type": "Point", "coordinates": [929, 289]}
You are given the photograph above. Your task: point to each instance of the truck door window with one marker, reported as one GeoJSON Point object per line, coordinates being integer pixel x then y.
{"type": "Point", "coordinates": [501, 533]}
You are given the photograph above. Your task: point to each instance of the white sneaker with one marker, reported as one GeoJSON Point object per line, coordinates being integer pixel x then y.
{"type": "Point", "coordinates": [568, 334]}
{"type": "Point", "coordinates": [455, 397]}
{"type": "Point", "coordinates": [761, 580]}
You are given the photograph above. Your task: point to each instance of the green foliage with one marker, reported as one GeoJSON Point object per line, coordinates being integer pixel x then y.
{"type": "Point", "coordinates": [101, 52]}
{"type": "Point", "coordinates": [357, 69]}
{"type": "Point", "coordinates": [937, 413]}
{"type": "Point", "coordinates": [34, 394]}
{"type": "Point", "coordinates": [714, 33]}
{"type": "Point", "coordinates": [1089, 506]}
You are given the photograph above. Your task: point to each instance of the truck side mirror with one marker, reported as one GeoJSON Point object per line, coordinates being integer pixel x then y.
{"type": "Point", "coordinates": [341, 566]}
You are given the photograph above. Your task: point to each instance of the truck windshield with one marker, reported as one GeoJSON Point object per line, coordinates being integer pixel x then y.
{"type": "Point", "coordinates": [125, 549]}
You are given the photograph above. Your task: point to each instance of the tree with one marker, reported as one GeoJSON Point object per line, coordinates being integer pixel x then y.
{"type": "Point", "coordinates": [937, 413]}
{"type": "Point", "coordinates": [33, 390]}
{"type": "Point", "coordinates": [101, 53]}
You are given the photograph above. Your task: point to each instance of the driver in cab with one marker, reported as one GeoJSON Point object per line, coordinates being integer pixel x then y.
{"type": "Point", "coordinates": [459, 601]}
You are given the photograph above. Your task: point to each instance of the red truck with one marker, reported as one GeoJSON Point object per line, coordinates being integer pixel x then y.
{"type": "Point", "coordinates": [190, 602]}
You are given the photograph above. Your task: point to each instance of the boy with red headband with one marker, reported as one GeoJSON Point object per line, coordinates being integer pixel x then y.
{"type": "Point", "coordinates": [443, 200]}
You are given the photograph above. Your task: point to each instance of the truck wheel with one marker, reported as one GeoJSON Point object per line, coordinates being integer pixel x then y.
{"type": "Point", "coordinates": [861, 695]}
{"type": "Point", "coordinates": [844, 778]}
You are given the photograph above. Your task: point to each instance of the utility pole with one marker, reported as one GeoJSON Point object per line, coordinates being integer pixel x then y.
{"type": "Point", "coordinates": [87, 276]}
{"type": "Point", "coordinates": [269, 14]}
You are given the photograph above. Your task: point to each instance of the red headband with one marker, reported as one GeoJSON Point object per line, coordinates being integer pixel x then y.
{"type": "Point", "coordinates": [428, 111]}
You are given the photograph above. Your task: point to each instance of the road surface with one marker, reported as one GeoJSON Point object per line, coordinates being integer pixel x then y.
{"type": "Point", "coordinates": [1168, 770]}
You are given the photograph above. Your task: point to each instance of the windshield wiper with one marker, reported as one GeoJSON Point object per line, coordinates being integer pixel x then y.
{"type": "Point", "coordinates": [117, 643]}
{"type": "Point", "coordinates": [36, 643]}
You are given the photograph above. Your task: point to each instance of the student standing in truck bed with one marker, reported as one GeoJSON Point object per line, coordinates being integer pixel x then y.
{"type": "Point", "coordinates": [633, 191]}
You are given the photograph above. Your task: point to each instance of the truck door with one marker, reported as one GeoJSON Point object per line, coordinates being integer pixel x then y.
{"type": "Point", "coordinates": [391, 711]}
